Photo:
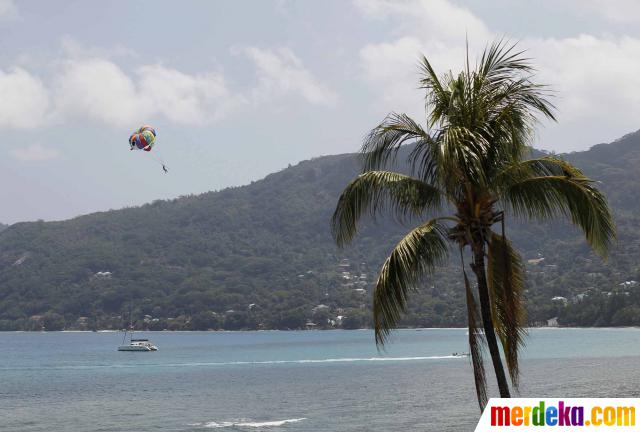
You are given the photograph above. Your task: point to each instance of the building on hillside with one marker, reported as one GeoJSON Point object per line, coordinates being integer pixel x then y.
{"type": "Point", "coordinates": [560, 299]}
{"type": "Point", "coordinates": [579, 297]}
{"type": "Point", "coordinates": [319, 308]}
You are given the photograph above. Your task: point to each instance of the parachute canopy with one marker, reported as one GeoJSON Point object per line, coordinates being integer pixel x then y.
{"type": "Point", "coordinates": [143, 138]}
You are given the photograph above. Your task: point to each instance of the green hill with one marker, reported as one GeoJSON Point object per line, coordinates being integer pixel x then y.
{"type": "Point", "coordinates": [261, 256]}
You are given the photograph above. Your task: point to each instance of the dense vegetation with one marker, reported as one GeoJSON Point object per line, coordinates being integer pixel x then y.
{"type": "Point", "coordinates": [262, 256]}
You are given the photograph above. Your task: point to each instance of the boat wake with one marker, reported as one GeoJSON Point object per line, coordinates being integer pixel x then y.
{"type": "Point", "coordinates": [330, 360]}
{"type": "Point", "coordinates": [246, 424]}
{"type": "Point", "coordinates": [237, 363]}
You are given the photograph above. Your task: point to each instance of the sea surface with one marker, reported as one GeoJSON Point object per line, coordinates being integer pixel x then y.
{"type": "Point", "coordinates": [288, 381]}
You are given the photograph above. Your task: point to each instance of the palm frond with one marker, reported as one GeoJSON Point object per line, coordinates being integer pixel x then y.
{"type": "Point", "coordinates": [506, 283]}
{"type": "Point", "coordinates": [575, 197]}
{"type": "Point", "coordinates": [544, 166]}
{"type": "Point", "coordinates": [512, 112]}
{"type": "Point", "coordinates": [507, 105]}
{"type": "Point", "coordinates": [414, 257]}
{"type": "Point", "coordinates": [462, 156]}
{"type": "Point", "coordinates": [377, 191]}
{"type": "Point", "coordinates": [515, 171]}
{"type": "Point", "coordinates": [504, 74]}
{"type": "Point", "coordinates": [384, 141]}
{"type": "Point", "coordinates": [438, 94]}
{"type": "Point", "coordinates": [476, 342]}
{"type": "Point", "coordinates": [502, 61]}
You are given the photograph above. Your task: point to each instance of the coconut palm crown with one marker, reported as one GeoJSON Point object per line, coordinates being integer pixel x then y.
{"type": "Point", "coordinates": [471, 157]}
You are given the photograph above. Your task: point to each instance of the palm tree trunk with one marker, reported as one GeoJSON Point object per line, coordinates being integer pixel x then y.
{"type": "Point", "coordinates": [485, 309]}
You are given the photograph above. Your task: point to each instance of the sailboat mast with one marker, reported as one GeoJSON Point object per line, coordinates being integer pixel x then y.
{"type": "Point", "coordinates": [131, 319]}
{"type": "Point", "coordinates": [130, 328]}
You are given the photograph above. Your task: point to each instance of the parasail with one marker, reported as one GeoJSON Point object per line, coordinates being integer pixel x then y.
{"type": "Point", "coordinates": [143, 139]}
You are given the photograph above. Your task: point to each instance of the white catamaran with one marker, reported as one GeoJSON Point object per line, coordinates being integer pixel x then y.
{"type": "Point", "coordinates": [136, 344]}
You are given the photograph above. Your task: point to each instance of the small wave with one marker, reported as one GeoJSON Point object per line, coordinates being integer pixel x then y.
{"type": "Point", "coordinates": [246, 423]}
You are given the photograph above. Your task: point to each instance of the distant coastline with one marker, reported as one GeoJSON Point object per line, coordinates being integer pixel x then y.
{"type": "Point", "coordinates": [309, 330]}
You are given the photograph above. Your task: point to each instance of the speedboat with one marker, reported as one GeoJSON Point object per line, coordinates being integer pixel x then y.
{"type": "Point", "coordinates": [138, 345]}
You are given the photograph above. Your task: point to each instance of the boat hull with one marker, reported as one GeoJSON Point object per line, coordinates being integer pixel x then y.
{"type": "Point", "coordinates": [136, 348]}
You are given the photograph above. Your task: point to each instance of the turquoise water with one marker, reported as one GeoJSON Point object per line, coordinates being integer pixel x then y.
{"type": "Point", "coordinates": [287, 381]}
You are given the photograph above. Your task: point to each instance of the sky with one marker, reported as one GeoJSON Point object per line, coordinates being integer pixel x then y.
{"type": "Point", "coordinates": [241, 89]}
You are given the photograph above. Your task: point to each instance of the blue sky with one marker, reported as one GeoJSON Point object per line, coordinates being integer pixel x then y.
{"type": "Point", "coordinates": [239, 89]}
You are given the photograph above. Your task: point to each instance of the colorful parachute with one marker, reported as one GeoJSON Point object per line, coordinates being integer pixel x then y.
{"type": "Point", "coordinates": [143, 138]}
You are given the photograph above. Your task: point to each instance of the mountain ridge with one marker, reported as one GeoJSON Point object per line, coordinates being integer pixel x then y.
{"type": "Point", "coordinates": [201, 261]}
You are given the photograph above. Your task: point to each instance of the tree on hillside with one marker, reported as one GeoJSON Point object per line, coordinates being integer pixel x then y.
{"type": "Point", "coordinates": [471, 159]}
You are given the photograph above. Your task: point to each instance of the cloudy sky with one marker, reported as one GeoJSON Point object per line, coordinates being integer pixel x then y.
{"type": "Point", "coordinates": [239, 89]}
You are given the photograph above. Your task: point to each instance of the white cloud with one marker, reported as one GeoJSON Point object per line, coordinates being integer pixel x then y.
{"type": "Point", "coordinates": [280, 71]}
{"type": "Point", "coordinates": [97, 89]}
{"type": "Point", "coordinates": [427, 19]}
{"type": "Point", "coordinates": [185, 98]}
{"type": "Point", "coordinates": [393, 69]}
{"type": "Point", "coordinates": [34, 153]}
{"type": "Point", "coordinates": [24, 100]}
{"type": "Point", "coordinates": [423, 27]}
{"type": "Point", "coordinates": [590, 74]}
{"type": "Point", "coordinates": [88, 86]}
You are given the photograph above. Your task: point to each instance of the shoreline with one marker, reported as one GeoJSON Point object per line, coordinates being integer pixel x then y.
{"type": "Point", "coordinates": [304, 330]}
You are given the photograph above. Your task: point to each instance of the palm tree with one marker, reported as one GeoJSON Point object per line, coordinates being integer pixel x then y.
{"type": "Point", "coordinates": [471, 159]}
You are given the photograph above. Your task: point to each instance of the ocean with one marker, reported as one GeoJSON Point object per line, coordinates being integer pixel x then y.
{"type": "Point", "coordinates": [288, 381]}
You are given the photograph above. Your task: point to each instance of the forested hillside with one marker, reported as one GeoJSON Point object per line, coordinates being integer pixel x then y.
{"type": "Point", "coordinates": [261, 256]}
